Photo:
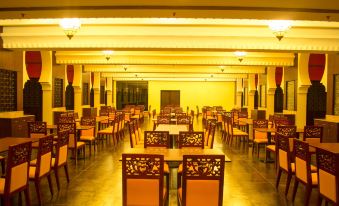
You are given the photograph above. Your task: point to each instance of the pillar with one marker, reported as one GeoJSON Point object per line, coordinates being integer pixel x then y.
{"type": "Point", "coordinates": [239, 93]}
{"type": "Point", "coordinates": [109, 90]}
{"type": "Point", "coordinates": [96, 88]}
{"type": "Point", "coordinates": [271, 86]}
{"type": "Point", "coordinates": [115, 94]}
{"type": "Point", "coordinates": [303, 85]}
{"type": "Point", "coordinates": [251, 93]}
{"type": "Point", "coordinates": [77, 85]}
{"type": "Point", "coordinates": [46, 84]}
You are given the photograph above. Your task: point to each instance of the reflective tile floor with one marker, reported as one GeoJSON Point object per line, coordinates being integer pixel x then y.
{"type": "Point", "coordinates": [97, 180]}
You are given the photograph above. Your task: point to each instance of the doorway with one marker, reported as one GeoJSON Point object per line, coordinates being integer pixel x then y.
{"type": "Point", "coordinates": [170, 97]}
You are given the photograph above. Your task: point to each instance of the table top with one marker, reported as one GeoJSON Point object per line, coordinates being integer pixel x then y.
{"type": "Point", "coordinates": [79, 127]}
{"type": "Point", "coordinates": [173, 129]}
{"type": "Point", "coordinates": [331, 147]}
{"type": "Point", "coordinates": [8, 141]}
{"type": "Point", "coordinates": [176, 155]}
{"type": "Point", "coordinates": [270, 130]}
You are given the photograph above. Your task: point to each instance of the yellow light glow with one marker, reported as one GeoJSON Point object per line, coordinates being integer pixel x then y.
{"type": "Point", "coordinates": [279, 27]}
{"type": "Point", "coordinates": [70, 26]}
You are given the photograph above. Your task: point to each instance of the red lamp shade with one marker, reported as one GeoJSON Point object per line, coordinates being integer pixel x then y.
{"type": "Point", "coordinates": [33, 64]}
{"type": "Point", "coordinates": [278, 75]}
{"type": "Point", "coordinates": [70, 73]}
{"type": "Point", "coordinates": [92, 78]}
{"type": "Point", "coordinates": [316, 66]}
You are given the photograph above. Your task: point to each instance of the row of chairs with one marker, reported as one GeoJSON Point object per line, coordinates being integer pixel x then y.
{"type": "Point", "coordinates": [230, 131]}
{"type": "Point", "coordinates": [203, 180]}
{"type": "Point", "coordinates": [114, 129]}
{"type": "Point", "coordinates": [21, 169]}
{"type": "Point", "coordinates": [294, 158]}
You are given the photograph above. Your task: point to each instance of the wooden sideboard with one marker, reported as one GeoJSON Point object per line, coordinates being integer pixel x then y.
{"type": "Point", "coordinates": [14, 124]}
{"type": "Point", "coordinates": [331, 128]}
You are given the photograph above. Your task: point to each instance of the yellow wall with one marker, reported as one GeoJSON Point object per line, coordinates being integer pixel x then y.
{"type": "Point", "coordinates": [194, 93]}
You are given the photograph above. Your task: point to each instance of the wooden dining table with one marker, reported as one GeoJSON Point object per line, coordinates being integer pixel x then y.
{"type": "Point", "coordinates": [173, 129]}
{"type": "Point", "coordinates": [176, 155]}
{"type": "Point", "coordinates": [331, 147]}
{"type": "Point", "coordinates": [8, 141]}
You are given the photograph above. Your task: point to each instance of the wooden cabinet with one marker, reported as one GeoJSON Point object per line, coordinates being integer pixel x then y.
{"type": "Point", "coordinates": [14, 124]}
{"type": "Point", "coordinates": [89, 112]}
{"type": "Point", "coordinates": [331, 128]}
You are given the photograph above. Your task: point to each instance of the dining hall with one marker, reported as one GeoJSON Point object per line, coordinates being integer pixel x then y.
{"type": "Point", "coordinates": [149, 103]}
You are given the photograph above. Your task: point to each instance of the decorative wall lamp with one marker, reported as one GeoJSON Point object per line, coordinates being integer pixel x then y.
{"type": "Point", "coordinates": [240, 55]}
{"type": "Point", "coordinates": [107, 54]}
{"type": "Point", "coordinates": [70, 26]}
{"type": "Point", "coordinates": [279, 27]}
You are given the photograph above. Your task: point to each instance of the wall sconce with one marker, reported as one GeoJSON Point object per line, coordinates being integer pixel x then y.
{"type": "Point", "coordinates": [70, 26]}
{"type": "Point", "coordinates": [240, 55]}
{"type": "Point", "coordinates": [107, 54]}
{"type": "Point", "coordinates": [279, 27]}
{"type": "Point", "coordinates": [222, 68]}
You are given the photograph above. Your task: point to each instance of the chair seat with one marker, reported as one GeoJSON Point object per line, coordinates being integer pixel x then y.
{"type": "Point", "coordinates": [2, 185]}
{"type": "Point", "coordinates": [314, 168]}
{"type": "Point", "coordinates": [270, 147]}
{"type": "Point", "coordinates": [53, 162]}
{"type": "Point", "coordinates": [166, 168]}
{"type": "Point", "coordinates": [1, 158]}
{"type": "Point", "coordinates": [260, 141]}
{"type": "Point", "coordinates": [314, 177]}
{"type": "Point", "coordinates": [79, 144]}
{"type": "Point", "coordinates": [32, 172]}
{"type": "Point", "coordinates": [106, 131]}
{"type": "Point", "coordinates": [87, 138]}
{"type": "Point", "coordinates": [33, 162]}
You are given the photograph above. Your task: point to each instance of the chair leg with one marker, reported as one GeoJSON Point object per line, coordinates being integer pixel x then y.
{"type": "Point", "coordinates": [289, 178]}
{"type": "Point", "coordinates": [295, 188]}
{"type": "Point", "coordinates": [66, 172]}
{"type": "Point", "coordinates": [7, 201]}
{"type": "Point", "coordinates": [320, 199]}
{"type": "Point", "coordinates": [75, 152]}
{"type": "Point", "coordinates": [308, 194]}
{"type": "Point", "coordinates": [50, 183]}
{"type": "Point", "coordinates": [38, 193]}
{"type": "Point", "coordinates": [27, 197]}
{"type": "Point", "coordinates": [56, 173]}
{"type": "Point", "coordinates": [90, 148]}
{"type": "Point", "coordinates": [278, 178]}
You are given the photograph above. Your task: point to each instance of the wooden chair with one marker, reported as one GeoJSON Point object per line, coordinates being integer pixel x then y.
{"type": "Point", "coordinates": [163, 120]}
{"type": "Point", "coordinates": [66, 119]}
{"type": "Point", "coordinates": [328, 173]}
{"type": "Point", "coordinates": [156, 139]}
{"type": "Point", "coordinates": [313, 134]}
{"type": "Point", "coordinates": [108, 132]}
{"type": "Point", "coordinates": [73, 143]}
{"type": "Point", "coordinates": [42, 168]}
{"type": "Point", "coordinates": [88, 136]}
{"type": "Point", "coordinates": [16, 179]}
{"type": "Point", "coordinates": [60, 159]}
{"type": "Point", "coordinates": [303, 173]}
{"type": "Point", "coordinates": [37, 129]}
{"type": "Point", "coordinates": [259, 138]}
{"type": "Point", "coordinates": [284, 142]}
{"type": "Point", "coordinates": [159, 139]}
{"type": "Point", "coordinates": [142, 180]}
{"type": "Point", "coordinates": [234, 133]}
{"type": "Point", "coordinates": [134, 141]}
{"type": "Point", "coordinates": [209, 137]}
{"type": "Point", "coordinates": [202, 180]}
{"type": "Point", "coordinates": [189, 140]}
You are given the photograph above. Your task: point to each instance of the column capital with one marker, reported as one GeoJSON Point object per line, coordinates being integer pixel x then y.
{"type": "Point", "coordinates": [251, 92]}
{"type": "Point", "coordinates": [303, 89]}
{"type": "Point", "coordinates": [46, 86]}
{"type": "Point", "coordinates": [271, 91]}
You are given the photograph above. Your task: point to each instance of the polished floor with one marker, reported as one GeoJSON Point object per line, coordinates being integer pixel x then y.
{"type": "Point", "coordinates": [97, 180]}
